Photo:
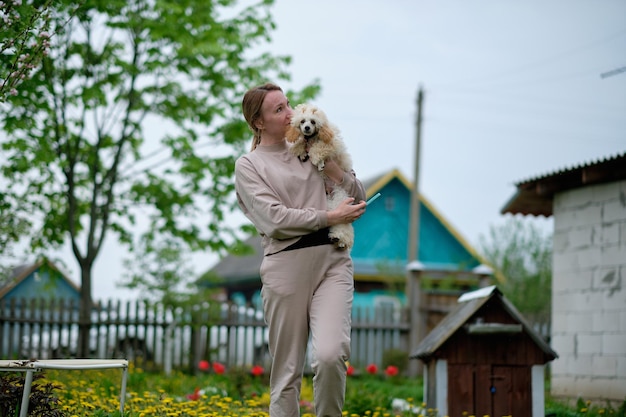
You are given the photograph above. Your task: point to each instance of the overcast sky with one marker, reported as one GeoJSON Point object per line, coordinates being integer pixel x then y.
{"type": "Point", "coordinates": [512, 90]}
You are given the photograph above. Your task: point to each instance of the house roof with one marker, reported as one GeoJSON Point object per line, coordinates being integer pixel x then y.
{"type": "Point", "coordinates": [237, 268]}
{"type": "Point", "coordinates": [535, 196]}
{"type": "Point", "coordinates": [21, 272]}
{"type": "Point", "coordinates": [377, 184]}
{"type": "Point", "coordinates": [380, 237]}
{"type": "Point", "coordinates": [468, 304]}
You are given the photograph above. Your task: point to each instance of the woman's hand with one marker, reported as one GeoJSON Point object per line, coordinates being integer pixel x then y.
{"type": "Point", "coordinates": [346, 212]}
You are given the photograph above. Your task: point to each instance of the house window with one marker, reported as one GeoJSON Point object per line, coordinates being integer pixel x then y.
{"type": "Point", "coordinates": [390, 203]}
{"type": "Point", "coordinates": [36, 276]}
{"type": "Point", "coordinates": [387, 304]}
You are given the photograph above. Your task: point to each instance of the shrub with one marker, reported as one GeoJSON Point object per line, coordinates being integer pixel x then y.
{"type": "Point", "coordinates": [396, 357]}
{"type": "Point", "coordinates": [358, 403]}
{"type": "Point", "coordinates": [42, 401]}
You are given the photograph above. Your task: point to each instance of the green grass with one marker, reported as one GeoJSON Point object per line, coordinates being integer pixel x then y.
{"type": "Point", "coordinates": [583, 408]}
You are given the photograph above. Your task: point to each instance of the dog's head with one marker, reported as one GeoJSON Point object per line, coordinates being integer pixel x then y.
{"type": "Point", "coordinates": [307, 122]}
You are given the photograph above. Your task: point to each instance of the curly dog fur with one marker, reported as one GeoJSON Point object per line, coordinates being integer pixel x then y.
{"type": "Point", "coordinates": [310, 128]}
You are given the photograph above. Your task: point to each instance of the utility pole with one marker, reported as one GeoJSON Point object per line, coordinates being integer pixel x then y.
{"type": "Point", "coordinates": [414, 225]}
{"type": "Point", "coordinates": [414, 268]}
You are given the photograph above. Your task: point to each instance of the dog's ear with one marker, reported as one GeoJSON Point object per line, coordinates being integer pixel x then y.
{"type": "Point", "coordinates": [292, 134]}
{"type": "Point", "coordinates": [318, 112]}
{"type": "Point", "coordinates": [326, 134]}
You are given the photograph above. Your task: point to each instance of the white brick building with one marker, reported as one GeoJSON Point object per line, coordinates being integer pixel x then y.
{"type": "Point", "coordinates": [588, 203]}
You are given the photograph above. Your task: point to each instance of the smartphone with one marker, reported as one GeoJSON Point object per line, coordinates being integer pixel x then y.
{"type": "Point", "coordinates": [374, 197]}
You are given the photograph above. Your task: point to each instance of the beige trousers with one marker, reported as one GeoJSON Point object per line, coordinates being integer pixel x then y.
{"type": "Point", "coordinates": [308, 290]}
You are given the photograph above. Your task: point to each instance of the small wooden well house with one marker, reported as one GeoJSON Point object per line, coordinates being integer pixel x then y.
{"type": "Point", "coordinates": [483, 358]}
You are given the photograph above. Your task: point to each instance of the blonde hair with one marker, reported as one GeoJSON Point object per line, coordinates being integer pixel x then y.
{"type": "Point", "coordinates": [251, 107]}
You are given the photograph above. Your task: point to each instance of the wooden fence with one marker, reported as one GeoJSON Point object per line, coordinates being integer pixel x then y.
{"type": "Point", "coordinates": [165, 338]}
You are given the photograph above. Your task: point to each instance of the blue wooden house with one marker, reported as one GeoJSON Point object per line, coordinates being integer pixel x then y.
{"type": "Point", "coordinates": [42, 279]}
{"type": "Point", "coordinates": [22, 293]}
{"type": "Point", "coordinates": [379, 253]}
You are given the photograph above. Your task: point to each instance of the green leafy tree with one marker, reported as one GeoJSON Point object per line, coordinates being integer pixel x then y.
{"type": "Point", "coordinates": [522, 253]}
{"type": "Point", "coordinates": [24, 40]}
{"type": "Point", "coordinates": [13, 225]}
{"type": "Point", "coordinates": [133, 123]}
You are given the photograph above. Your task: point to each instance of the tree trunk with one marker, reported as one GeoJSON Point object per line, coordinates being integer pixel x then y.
{"type": "Point", "coordinates": [84, 316]}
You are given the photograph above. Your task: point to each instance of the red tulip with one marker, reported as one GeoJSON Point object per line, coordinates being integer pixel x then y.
{"type": "Point", "coordinates": [257, 370]}
{"type": "Point", "coordinates": [371, 369]}
{"type": "Point", "coordinates": [195, 396]}
{"type": "Point", "coordinates": [350, 370]}
{"type": "Point", "coordinates": [391, 370]}
{"type": "Point", "coordinates": [204, 365]}
{"type": "Point", "coordinates": [218, 368]}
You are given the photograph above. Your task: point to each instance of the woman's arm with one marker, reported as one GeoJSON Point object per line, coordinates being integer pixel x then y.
{"type": "Point", "coordinates": [263, 206]}
{"type": "Point", "coordinates": [346, 180]}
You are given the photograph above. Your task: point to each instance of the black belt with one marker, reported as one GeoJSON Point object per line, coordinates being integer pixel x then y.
{"type": "Point", "coordinates": [312, 239]}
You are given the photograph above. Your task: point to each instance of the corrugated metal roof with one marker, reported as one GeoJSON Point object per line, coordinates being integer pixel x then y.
{"type": "Point", "coordinates": [575, 167]}
{"type": "Point", "coordinates": [534, 196]}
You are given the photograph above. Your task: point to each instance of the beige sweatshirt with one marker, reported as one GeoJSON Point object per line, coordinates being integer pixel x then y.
{"type": "Point", "coordinates": [284, 197]}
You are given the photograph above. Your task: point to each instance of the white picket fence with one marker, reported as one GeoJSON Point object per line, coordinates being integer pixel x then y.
{"type": "Point", "coordinates": [165, 338]}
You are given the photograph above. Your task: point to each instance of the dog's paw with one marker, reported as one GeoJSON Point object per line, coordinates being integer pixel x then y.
{"type": "Point", "coordinates": [304, 157]}
{"type": "Point", "coordinates": [341, 245]}
{"type": "Point", "coordinates": [316, 159]}
{"type": "Point", "coordinates": [337, 242]}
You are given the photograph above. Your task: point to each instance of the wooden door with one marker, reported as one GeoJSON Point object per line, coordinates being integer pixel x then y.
{"type": "Point", "coordinates": [512, 388]}
{"type": "Point", "coordinates": [490, 390]}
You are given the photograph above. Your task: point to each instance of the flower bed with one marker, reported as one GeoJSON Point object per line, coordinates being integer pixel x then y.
{"type": "Point", "coordinates": [218, 391]}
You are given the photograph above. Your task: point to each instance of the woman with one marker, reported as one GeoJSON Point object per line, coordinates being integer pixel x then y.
{"type": "Point", "coordinates": [307, 283]}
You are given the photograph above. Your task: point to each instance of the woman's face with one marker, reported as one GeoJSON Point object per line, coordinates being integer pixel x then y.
{"type": "Point", "coordinates": [275, 115]}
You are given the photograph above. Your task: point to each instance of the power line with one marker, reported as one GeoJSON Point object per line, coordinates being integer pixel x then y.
{"type": "Point", "coordinates": [539, 62]}
{"type": "Point", "coordinates": [613, 72]}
